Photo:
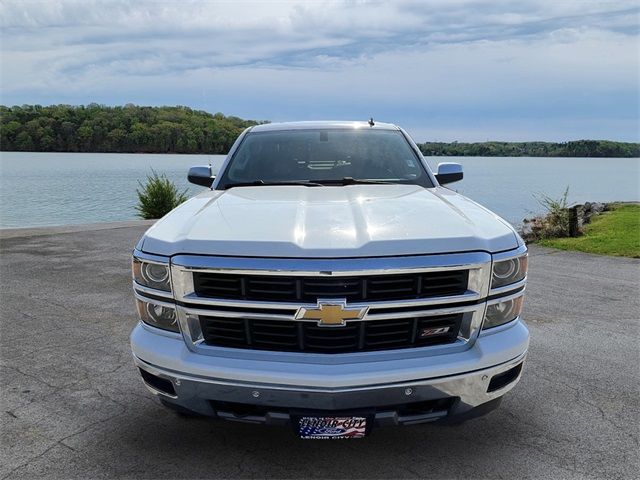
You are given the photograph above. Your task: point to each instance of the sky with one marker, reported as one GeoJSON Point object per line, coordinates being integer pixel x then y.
{"type": "Point", "coordinates": [446, 70]}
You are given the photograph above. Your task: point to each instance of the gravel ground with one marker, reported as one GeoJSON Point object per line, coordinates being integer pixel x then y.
{"type": "Point", "coordinates": [74, 407]}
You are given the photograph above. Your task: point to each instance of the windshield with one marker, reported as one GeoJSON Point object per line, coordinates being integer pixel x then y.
{"type": "Point", "coordinates": [324, 156]}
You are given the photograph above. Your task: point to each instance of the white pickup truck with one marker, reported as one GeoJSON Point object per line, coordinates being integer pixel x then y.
{"type": "Point", "coordinates": [326, 280]}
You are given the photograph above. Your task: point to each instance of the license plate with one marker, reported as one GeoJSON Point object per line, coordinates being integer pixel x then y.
{"type": "Point", "coordinates": [329, 428]}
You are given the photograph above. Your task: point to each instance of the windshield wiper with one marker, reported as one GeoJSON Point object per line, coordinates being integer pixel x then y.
{"type": "Point", "coordinates": [351, 181]}
{"type": "Point", "coordinates": [262, 183]}
{"type": "Point", "coordinates": [309, 183]}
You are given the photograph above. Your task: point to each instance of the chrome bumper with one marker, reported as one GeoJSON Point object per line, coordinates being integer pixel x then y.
{"type": "Point", "coordinates": [469, 391]}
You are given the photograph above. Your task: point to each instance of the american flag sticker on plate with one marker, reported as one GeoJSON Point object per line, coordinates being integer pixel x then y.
{"type": "Point", "coordinates": [329, 428]}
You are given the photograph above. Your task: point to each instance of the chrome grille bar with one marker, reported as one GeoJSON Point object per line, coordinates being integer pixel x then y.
{"type": "Point", "coordinates": [191, 306]}
{"type": "Point", "coordinates": [477, 263]}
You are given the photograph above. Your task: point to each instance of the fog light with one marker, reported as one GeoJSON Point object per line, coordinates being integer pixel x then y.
{"type": "Point", "coordinates": [503, 312]}
{"type": "Point", "coordinates": [158, 315]}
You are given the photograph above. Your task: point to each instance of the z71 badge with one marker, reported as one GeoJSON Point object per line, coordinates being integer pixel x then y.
{"type": "Point", "coordinates": [430, 332]}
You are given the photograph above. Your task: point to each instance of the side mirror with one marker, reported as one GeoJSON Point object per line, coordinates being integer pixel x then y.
{"type": "Point", "coordinates": [201, 176]}
{"type": "Point", "coordinates": [449, 172]}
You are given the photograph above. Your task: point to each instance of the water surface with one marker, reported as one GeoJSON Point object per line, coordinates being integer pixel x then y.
{"type": "Point", "coordinates": [42, 189]}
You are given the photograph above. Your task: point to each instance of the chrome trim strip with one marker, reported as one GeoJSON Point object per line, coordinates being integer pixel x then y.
{"type": "Point", "coordinates": [499, 328]}
{"type": "Point", "coordinates": [192, 298]}
{"type": "Point", "coordinates": [148, 257]}
{"type": "Point", "coordinates": [334, 267]}
{"type": "Point", "coordinates": [157, 373]}
{"type": "Point", "coordinates": [153, 300]}
{"type": "Point", "coordinates": [507, 297]}
{"type": "Point", "coordinates": [510, 254]}
{"type": "Point", "coordinates": [156, 391]}
{"type": "Point", "coordinates": [161, 331]}
{"type": "Point", "coordinates": [424, 313]}
{"type": "Point", "coordinates": [331, 273]}
{"type": "Point", "coordinates": [151, 291]}
{"type": "Point", "coordinates": [368, 316]}
{"type": "Point", "coordinates": [239, 314]}
{"type": "Point", "coordinates": [508, 288]}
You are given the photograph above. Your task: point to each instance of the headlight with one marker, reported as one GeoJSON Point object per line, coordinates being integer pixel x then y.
{"type": "Point", "coordinates": [152, 275]}
{"type": "Point", "coordinates": [503, 312]}
{"type": "Point", "coordinates": [506, 272]}
{"type": "Point", "coordinates": [158, 315]}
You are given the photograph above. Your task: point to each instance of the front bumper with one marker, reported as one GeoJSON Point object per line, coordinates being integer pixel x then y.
{"type": "Point", "coordinates": [396, 389]}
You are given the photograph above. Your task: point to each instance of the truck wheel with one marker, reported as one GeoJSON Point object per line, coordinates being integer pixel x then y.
{"type": "Point", "coordinates": [179, 410]}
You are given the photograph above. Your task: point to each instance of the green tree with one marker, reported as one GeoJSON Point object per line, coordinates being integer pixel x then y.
{"type": "Point", "coordinates": [84, 138]}
{"type": "Point", "coordinates": [130, 128]}
{"type": "Point", "coordinates": [579, 148]}
{"type": "Point", "coordinates": [24, 142]}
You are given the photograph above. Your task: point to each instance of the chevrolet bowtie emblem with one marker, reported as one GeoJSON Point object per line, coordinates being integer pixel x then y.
{"type": "Point", "coordinates": [331, 312]}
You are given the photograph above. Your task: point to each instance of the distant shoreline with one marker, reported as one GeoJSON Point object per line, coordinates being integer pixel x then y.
{"type": "Point", "coordinates": [137, 129]}
{"type": "Point", "coordinates": [224, 154]}
{"type": "Point", "coordinates": [116, 153]}
{"type": "Point", "coordinates": [571, 149]}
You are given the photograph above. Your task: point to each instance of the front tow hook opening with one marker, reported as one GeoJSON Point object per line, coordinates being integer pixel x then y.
{"type": "Point", "coordinates": [162, 385]}
{"type": "Point", "coordinates": [503, 379]}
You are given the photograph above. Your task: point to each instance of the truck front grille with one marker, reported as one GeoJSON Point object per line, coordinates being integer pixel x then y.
{"type": "Point", "coordinates": [309, 289]}
{"type": "Point", "coordinates": [291, 336]}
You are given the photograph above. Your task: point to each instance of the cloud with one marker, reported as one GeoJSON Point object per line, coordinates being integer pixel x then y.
{"type": "Point", "coordinates": [415, 61]}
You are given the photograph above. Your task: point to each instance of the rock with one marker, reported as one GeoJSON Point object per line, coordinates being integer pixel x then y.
{"type": "Point", "coordinates": [543, 226]}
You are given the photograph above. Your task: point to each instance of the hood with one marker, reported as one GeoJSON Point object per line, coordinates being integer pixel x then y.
{"type": "Point", "coordinates": [342, 221]}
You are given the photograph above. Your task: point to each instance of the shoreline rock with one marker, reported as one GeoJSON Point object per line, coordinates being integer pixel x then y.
{"type": "Point", "coordinates": [563, 222]}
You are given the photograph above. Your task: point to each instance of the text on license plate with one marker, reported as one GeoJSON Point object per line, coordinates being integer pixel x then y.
{"type": "Point", "coordinates": [332, 427]}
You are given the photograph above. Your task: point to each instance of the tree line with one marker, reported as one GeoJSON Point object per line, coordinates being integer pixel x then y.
{"type": "Point", "coordinates": [578, 148]}
{"type": "Point", "coordinates": [127, 129]}
{"type": "Point", "coordinates": [136, 129]}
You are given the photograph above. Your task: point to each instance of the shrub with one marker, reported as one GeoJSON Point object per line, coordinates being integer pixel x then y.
{"type": "Point", "coordinates": [554, 223]}
{"type": "Point", "coordinates": [557, 217]}
{"type": "Point", "coordinates": [158, 196]}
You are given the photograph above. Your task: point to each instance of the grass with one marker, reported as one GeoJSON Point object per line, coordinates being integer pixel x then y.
{"type": "Point", "coordinates": [615, 232]}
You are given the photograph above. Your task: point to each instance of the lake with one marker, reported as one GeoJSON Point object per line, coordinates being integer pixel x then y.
{"type": "Point", "coordinates": [42, 189]}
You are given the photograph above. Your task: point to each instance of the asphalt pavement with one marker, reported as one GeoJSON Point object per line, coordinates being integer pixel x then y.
{"type": "Point", "coordinates": [73, 406]}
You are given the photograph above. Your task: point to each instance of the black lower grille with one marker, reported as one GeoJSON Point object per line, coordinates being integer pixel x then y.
{"type": "Point", "coordinates": [410, 409]}
{"type": "Point", "coordinates": [286, 288]}
{"type": "Point", "coordinates": [292, 336]}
